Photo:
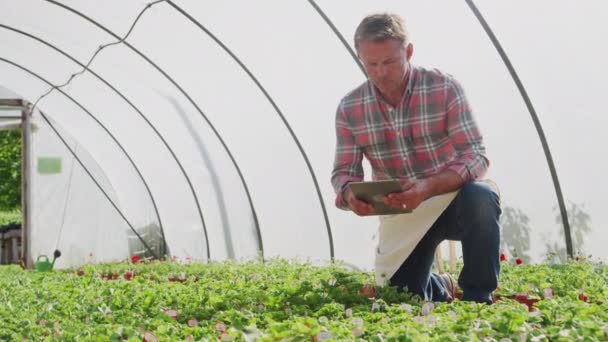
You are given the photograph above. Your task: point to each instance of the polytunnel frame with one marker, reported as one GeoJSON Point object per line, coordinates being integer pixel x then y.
{"type": "Point", "coordinates": [279, 113]}
{"type": "Point", "coordinates": [95, 181]}
{"type": "Point", "coordinates": [115, 90]}
{"type": "Point", "coordinates": [17, 65]}
{"type": "Point", "coordinates": [254, 79]}
{"type": "Point", "coordinates": [537, 124]}
{"type": "Point", "coordinates": [170, 79]}
{"type": "Point", "coordinates": [40, 40]}
{"type": "Point", "coordinates": [520, 87]}
{"type": "Point", "coordinates": [351, 52]}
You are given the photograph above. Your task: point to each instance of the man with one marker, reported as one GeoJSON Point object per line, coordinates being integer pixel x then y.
{"type": "Point", "coordinates": [415, 125]}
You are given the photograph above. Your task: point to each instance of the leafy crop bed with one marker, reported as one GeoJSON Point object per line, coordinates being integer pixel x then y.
{"type": "Point", "coordinates": [280, 299]}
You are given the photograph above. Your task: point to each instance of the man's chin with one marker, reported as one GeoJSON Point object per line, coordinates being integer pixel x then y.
{"type": "Point", "coordinates": [384, 90]}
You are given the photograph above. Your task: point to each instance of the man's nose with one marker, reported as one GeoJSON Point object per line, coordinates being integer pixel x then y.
{"type": "Point", "coordinates": [381, 70]}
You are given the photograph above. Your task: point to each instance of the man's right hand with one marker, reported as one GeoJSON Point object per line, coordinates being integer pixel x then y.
{"type": "Point", "coordinates": [360, 208]}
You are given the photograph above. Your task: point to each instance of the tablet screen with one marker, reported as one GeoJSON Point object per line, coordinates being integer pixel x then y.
{"type": "Point", "coordinates": [373, 192]}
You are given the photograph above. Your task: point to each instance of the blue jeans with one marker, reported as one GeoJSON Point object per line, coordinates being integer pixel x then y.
{"type": "Point", "coordinates": [473, 219]}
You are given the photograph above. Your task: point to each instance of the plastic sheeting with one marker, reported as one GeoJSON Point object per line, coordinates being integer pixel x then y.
{"type": "Point", "coordinates": [69, 212]}
{"type": "Point", "coordinates": [188, 114]}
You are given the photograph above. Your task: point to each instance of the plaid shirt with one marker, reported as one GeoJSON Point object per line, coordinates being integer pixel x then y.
{"type": "Point", "coordinates": [432, 130]}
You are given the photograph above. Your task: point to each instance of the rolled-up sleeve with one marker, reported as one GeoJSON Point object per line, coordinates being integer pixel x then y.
{"type": "Point", "coordinates": [471, 162]}
{"type": "Point", "coordinates": [347, 161]}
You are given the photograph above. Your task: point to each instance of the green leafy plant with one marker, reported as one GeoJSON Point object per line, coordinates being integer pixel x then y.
{"type": "Point", "coordinates": [10, 170]}
{"type": "Point", "coordinates": [282, 299]}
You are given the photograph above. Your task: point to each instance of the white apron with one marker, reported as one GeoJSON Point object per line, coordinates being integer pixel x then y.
{"type": "Point", "coordinates": [399, 234]}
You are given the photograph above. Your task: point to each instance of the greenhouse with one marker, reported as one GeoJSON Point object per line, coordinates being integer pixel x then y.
{"type": "Point", "coordinates": [204, 132]}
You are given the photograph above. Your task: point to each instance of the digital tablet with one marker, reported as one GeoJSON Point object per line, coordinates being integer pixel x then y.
{"type": "Point", "coordinates": [373, 192]}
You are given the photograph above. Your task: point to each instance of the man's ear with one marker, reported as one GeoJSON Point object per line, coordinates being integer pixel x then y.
{"type": "Point", "coordinates": [409, 51]}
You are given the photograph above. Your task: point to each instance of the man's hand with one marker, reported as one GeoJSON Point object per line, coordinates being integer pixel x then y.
{"type": "Point", "coordinates": [358, 207]}
{"type": "Point", "coordinates": [413, 194]}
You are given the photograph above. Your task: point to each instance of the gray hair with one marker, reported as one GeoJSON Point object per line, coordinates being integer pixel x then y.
{"type": "Point", "coordinates": [381, 26]}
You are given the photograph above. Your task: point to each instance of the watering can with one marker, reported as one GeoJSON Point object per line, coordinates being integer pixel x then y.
{"type": "Point", "coordinates": [44, 265]}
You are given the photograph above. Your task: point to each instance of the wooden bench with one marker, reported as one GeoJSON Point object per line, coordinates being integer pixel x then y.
{"type": "Point", "coordinates": [452, 259]}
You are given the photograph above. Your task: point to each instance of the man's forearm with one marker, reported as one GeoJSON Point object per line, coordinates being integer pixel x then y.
{"type": "Point", "coordinates": [441, 183]}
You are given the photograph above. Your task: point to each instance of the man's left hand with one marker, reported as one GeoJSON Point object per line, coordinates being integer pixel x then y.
{"type": "Point", "coordinates": [413, 194]}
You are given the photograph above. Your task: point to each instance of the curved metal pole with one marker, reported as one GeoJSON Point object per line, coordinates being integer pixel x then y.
{"type": "Point", "coordinates": [170, 79]}
{"type": "Point", "coordinates": [72, 151]}
{"type": "Point", "coordinates": [537, 124]}
{"type": "Point", "coordinates": [274, 105]}
{"type": "Point", "coordinates": [179, 164]}
{"type": "Point", "coordinates": [338, 34]}
{"type": "Point", "coordinates": [141, 13]}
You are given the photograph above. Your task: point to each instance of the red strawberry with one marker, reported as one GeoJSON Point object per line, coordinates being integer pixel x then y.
{"type": "Point", "coordinates": [503, 257]}
{"type": "Point", "coordinates": [582, 297]}
{"type": "Point", "coordinates": [128, 275]}
{"type": "Point", "coordinates": [519, 261]}
{"type": "Point", "coordinates": [530, 304]}
{"type": "Point", "coordinates": [368, 291]}
{"type": "Point", "coordinates": [135, 259]}
{"type": "Point", "coordinates": [522, 296]}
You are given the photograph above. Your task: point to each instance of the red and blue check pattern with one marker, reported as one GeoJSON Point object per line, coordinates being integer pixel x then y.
{"type": "Point", "coordinates": [433, 129]}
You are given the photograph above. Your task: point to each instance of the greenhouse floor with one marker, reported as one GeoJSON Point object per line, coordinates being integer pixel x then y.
{"type": "Point", "coordinates": [285, 300]}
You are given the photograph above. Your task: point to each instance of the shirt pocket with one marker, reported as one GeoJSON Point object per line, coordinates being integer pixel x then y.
{"type": "Point", "coordinates": [428, 136]}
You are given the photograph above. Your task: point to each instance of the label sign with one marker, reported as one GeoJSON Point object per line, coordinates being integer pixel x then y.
{"type": "Point", "coordinates": [49, 165]}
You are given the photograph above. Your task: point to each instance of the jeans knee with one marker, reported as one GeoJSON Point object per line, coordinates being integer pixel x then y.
{"type": "Point", "coordinates": [481, 204]}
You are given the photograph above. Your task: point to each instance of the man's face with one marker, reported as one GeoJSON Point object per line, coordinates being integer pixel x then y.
{"type": "Point", "coordinates": [386, 63]}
